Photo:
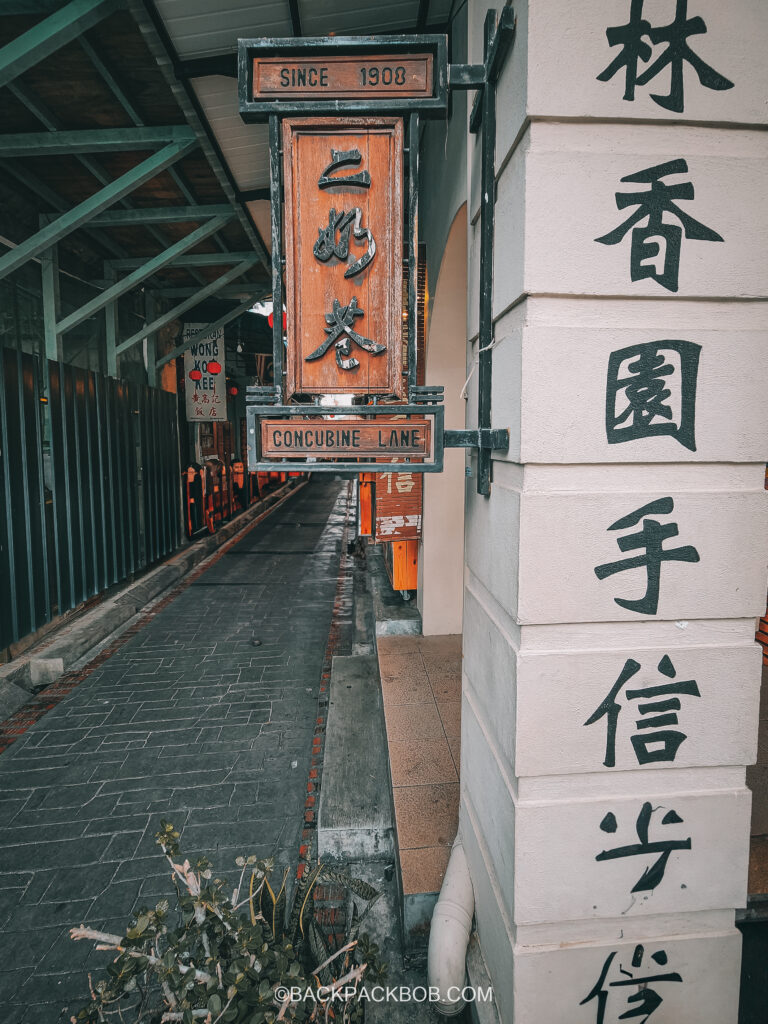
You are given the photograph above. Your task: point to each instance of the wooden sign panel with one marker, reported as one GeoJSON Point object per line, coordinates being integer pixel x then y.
{"type": "Point", "coordinates": [346, 439]}
{"type": "Point", "coordinates": [399, 500]}
{"type": "Point", "coordinates": [342, 77]}
{"type": "Point", "coordinates": [343, 245]}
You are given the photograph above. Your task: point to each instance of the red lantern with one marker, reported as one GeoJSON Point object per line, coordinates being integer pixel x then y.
{"type": "Point", "coordinates": [195, 375]}
{"type": "Point", "coordinates": [214, 367]}
{"type": "Point", "coordinates": [271, 320]}
{"type": "Point", "coordinates": [232, 389]}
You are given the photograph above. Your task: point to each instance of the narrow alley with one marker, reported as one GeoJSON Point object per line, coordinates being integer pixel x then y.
{"type": "Point", "coordinates": [209, 715]}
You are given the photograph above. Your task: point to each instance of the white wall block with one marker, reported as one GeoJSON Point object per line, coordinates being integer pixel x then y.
{"type": "Point", "coordinates": [696, 981]}
{"type": "Point", "coordinates": [562, 52]}
{"type": "Point", "coordinates": [490, 662]}
{"type": "Point", "coordinates": [491, 535]}
{"type": "Point", "coordinates": [717, 688]}
{"type": "Point", "coordinates": [591, 394]}
{"type": "Point", "coordinates": [558, 875]}
{"type": "Point", "coordinates": [564, 538]}
{"type": "Point", "coordinates": [572, 178]}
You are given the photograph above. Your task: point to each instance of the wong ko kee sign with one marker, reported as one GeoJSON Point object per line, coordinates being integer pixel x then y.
{"type": "Point", "coordinates": [204, 377]}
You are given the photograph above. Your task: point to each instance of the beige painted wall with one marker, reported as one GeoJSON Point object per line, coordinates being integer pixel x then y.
{"type": "Point", "coordinates": [441, 555]}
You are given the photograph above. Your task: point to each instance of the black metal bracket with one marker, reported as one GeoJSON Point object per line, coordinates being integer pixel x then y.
{"type": "Point", "coordinates": [490, 440]}
{"type": "Point", "coordinates": [499, 37]}
{"type": "Point", "coordinates": [496, 49]}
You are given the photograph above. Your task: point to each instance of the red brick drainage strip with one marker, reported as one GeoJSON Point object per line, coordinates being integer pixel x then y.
{"type": "Point", "coordinates": [47, 699]}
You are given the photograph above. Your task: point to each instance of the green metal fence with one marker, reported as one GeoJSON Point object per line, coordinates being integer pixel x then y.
{"type": "Point", "coordinates": [89, 486]}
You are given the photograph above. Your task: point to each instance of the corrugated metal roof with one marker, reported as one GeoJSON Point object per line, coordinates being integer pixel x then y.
{"type": "Point", "coordinates": [198, 27]}
{"type": "Point", "coordinates": [245, 147]}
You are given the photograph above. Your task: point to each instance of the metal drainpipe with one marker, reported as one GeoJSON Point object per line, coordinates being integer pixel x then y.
{"type": "Point", "coordinates": [449, 934]}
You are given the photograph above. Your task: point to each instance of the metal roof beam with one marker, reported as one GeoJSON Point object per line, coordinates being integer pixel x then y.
{"type": "Point", "coordinates": [51, 34]}
{"type": "Point", "coordinates": [162, 215]}
{"type": "Point", "coordinates": [221, 322]}
{"type": "Point", "coordinates": [182, 307]}
{"type": "Point", "coordinates": [47, 194]}
{"type": "Point", "coordinates": [105, 197]}
{"type": "Point", "coordinates": [232, 291]}
{"type": "Point", "coordinates": [198, 259]}
{"type": "Point", "coordinates": [293, 6]}
{"type": "Point", "coordinates": [149, 268]}
{"type": "Point", "coordinates": [41, 112]}
{"type": "Point", "coordinates": [161, 47]}
{"type": "Point", "coordinates": [119, 93]}
{"type": "Point", "coordinates": [99, 140]}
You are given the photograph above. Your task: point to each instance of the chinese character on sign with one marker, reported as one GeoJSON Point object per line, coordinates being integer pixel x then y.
{"type": "Point", "coordinates": [654, 741]}
{"type": "Point", "coordinates": [651, 392]}
{"type": "Point", "coordinates": [343, 158]}
{"type": "Point", "coordinates": [344, 224]}
{"type": "Point", "coordinates": [647, 241]}
{"type": "Point", "coordinates": [339, 330]}
{"type": "Point", "coordinates": [653, 875]}
{"type": "Point", "coordinates": [634, 49]}
{"type": "Point", "coordinates": [641, 1003]}
{"type": "Point", "coordinates": [404, 482]}
{"type": "Point", "coordinates": [651, 537]}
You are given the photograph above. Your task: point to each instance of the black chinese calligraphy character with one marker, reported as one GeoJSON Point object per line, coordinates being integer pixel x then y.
{"type": "Point", "coordinates": [343, 158]}
{"type": "Point", "coordinates": [653, 875]}
{"type": "Point", "coordinates": [647, 999]}
{"type": "Point", "coordinates": [634, 49]}
{"type": "Point", "coordinates": [646, 241]}
{"type": "Point", "coordinates": [655, 742]}
{"type": "Point", "coordinates": [339, 330]}
{"type": "Point", "coordinates": [344, 224]}
{"type": "Point", "coordinates": [651, 537]}
{"type": "Point", "coordinates": [641, 400]}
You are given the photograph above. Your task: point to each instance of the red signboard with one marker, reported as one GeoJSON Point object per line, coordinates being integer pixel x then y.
{"type": "Point", "coordinates": [399, 500]}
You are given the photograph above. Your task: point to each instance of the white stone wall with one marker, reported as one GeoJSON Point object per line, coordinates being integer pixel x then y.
{"type": "Point", "coordinates": [608, 716]}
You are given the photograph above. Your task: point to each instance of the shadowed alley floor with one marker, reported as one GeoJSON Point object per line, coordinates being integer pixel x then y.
{"type": "Point", "coordinates": [188, 721]}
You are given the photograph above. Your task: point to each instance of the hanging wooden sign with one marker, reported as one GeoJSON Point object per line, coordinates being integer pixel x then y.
{"type": "Point", "coordinates": [343, 246]}
{"type": "Point", "coordinates": [383, 437]}
{"type": "Point", "coordinates": [398, 506]}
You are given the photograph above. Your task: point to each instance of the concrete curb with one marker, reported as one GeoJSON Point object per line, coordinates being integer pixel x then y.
{"type": "Point", "coordinates": [55, 655]}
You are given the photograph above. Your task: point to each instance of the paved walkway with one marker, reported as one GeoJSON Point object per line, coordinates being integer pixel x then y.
{"type": "Point", "coordinates": [206, 717]}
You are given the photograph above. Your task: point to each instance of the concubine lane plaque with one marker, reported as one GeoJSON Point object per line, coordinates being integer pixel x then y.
{"type": "Point", "coordinates": [347, 438]}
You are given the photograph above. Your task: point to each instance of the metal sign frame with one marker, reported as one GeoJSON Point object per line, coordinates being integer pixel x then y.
{"type": "Point", "coordinates": [256, 412]}
{"type": "Point", "coordinates": [255, 111]}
